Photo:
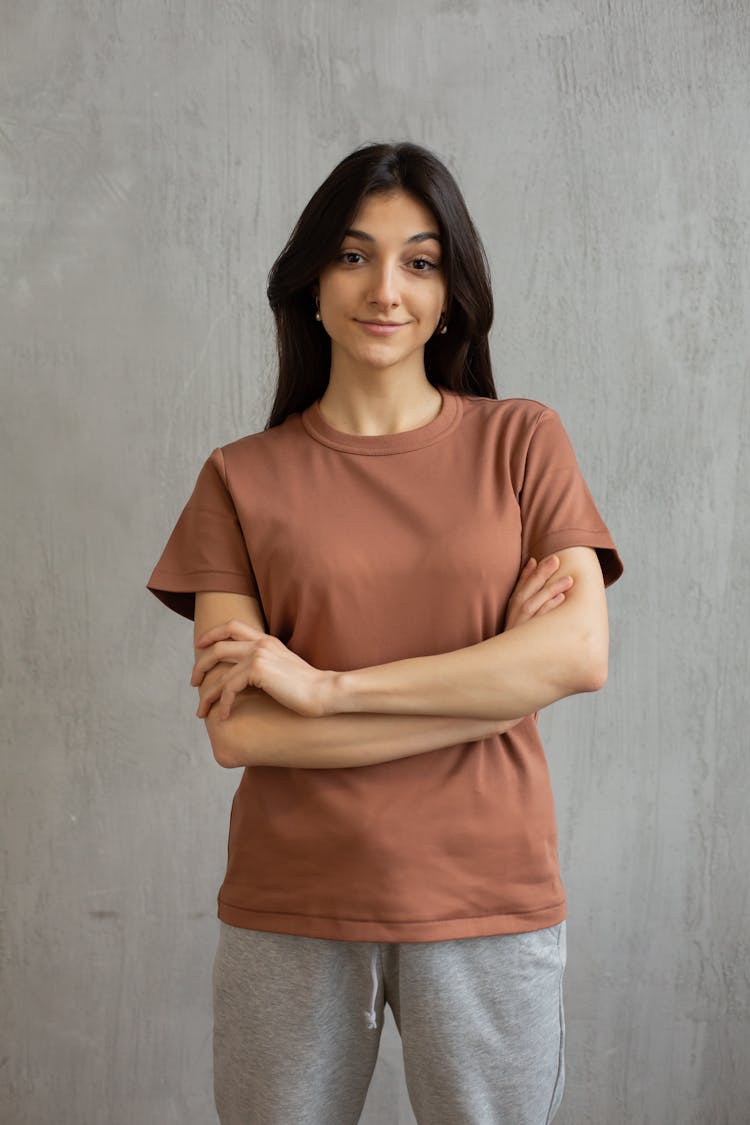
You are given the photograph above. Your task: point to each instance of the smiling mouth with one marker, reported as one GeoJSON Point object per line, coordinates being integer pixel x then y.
{"type": "Point", "coordinates": [381, 327]}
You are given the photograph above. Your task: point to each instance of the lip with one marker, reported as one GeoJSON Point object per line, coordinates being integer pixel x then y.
{"type": "Point", "coordinates": [379, 327]}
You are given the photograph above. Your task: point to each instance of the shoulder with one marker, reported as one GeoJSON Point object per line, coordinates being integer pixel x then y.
{"type": "Point", "coordinates": [521, 411]}
{"type": "Point", "coordinates": [514, 422]}
{"type": "Point", "coordinates": [253, 452]}
{"type": "Point", "coordinates": [258, 443]}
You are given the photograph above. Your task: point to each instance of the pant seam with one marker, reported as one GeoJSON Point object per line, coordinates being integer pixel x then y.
{"type": "Point", "coordinates": [561, 1018]}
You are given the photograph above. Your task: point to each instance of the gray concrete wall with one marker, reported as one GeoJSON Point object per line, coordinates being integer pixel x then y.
{"type": "Point", "coordinates": [153, 160]}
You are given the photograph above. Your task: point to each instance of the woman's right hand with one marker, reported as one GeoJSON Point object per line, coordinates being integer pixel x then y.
{"type": "Point", "coordinates": [538, 590]}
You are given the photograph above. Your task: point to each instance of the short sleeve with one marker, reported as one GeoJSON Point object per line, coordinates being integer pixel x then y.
{"type": "Point", "coordinates": [557, 509]}
{"type": "Point", "coordinates": [207, 548]}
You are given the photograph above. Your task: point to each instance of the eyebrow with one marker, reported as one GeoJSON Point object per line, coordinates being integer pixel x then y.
{"type": "Point", "coordinates": [423, 236]}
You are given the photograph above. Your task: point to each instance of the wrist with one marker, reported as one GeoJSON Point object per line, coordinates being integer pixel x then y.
{"type": "Point", "coordinates": [331, 693]}
{"type": "Point", "coordinates": [337, 693]}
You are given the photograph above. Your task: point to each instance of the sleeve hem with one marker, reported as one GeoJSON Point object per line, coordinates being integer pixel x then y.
{"type": "Point", "coordinates": [178, 592]}
{"type": "Point", "coordinates": [183, 579]}
{"type": "Point", "coordinates": [601, 541]}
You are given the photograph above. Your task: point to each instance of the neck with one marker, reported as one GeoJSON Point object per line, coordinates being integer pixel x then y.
{"type": "Point", "coordinates": [372, 401]}
{"type": "Point", "coordinates": [371, 408]}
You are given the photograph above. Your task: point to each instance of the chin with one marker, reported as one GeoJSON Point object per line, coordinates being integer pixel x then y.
{"type": "Point", "coordinates": [377, 353]}
{"type": "Point", "coordinates": [382, 359]}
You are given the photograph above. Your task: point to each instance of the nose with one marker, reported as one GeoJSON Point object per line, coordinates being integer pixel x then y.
{"type": "Point", "coordinates": [384, 291]}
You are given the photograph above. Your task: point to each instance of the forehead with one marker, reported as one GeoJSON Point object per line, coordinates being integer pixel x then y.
{"type": "Point", "coordinates": [397, 213]}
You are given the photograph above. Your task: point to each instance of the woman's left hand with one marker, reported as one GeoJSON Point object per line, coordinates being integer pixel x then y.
{"type": "Point", "coordinates": [260, 661]}
{"type": "Point", "coordinates": [538, 590]}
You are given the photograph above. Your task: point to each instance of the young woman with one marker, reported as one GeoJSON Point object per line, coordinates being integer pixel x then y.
{"type": "Point", "coordinates": [388, 583]}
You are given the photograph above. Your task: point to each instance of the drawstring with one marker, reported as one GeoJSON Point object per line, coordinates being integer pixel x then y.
{"type": "Point", "coordinates": [371, 1018]}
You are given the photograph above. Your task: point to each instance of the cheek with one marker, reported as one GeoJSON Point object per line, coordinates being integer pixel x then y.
{"type": "Point", "coordinates": [436, 297]}
{"type": "Point", "coordinates": [434, 307]}
{"type": "Point", "coordinates": [334, 296]}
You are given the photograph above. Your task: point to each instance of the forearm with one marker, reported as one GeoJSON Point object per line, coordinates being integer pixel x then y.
{"type": "Point", "coordinates": [262, 732]}
{"type": "Point", "coordinates": [504, 677]}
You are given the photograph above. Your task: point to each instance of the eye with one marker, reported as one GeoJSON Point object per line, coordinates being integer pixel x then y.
{"type": "Point", "coordinates": [347, 256]}
{"type": "Point", "coordinates": [424, 265]}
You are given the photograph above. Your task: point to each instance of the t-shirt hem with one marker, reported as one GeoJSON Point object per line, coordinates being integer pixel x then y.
{"type": "Point", "coordinates": [348, 929]}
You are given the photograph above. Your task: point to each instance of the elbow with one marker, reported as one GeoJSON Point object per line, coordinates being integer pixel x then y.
{"type": "Point", "coordinates": [222, 751]}
{"type": "Point", "coordinates": [592, 665]}
{"type": "Point", "coordinates": [223, 755]}
{"type": "Point", "coordinates": [595, 676]}
{"type": "Point", "coordinates": [222, 744]}
{"type": "Point", "coordinates": [594, 668]}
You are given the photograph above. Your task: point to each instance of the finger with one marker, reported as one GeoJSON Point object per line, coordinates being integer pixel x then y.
{"type": "Point", "coordinates": [551, 589]}
{"type": "Point", "coordinates": [540, 574]}
{"type": "Point", "coordinates": [207, 700]}
{"type": "Point", "coordinates": [202, 665]}
{"type": "Point", "coordinates": [557, 583]}
{"type": "Point", "coordinates": [211, 635]}
{"type": "Point", "coordinates": [224, 632]}
{"type": "Point", "coordinates": [530, 582]}
{"type": "Point", "coordinates": [228, 651]}
{"type": "Point", "coordinates": [550, 564]}
{"type": "Point", "coordinates": [234, 630]}
{"type": "Point", "coordinates": [551, 604]}
{"type": "Point", "coordinates": [526, 571]}
{"type": "Point", "coordinates": [230, 687]}
{"type": "Point", "coordinates": [228, 697]}
{"type": "Point", "coordinates": [200, 669]}
{"type": "Point", "coordinates": [562, 582]}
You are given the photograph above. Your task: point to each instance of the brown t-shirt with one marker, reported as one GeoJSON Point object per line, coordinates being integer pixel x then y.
{"type": "Point", "coordinates": [363, 550]}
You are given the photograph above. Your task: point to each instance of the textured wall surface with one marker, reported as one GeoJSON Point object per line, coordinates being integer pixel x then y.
{"type": "Point", "coordinates": [153, 159]}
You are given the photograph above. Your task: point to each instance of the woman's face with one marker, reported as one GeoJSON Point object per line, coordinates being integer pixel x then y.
{"type": "Point", "coordinates": [382, 295]}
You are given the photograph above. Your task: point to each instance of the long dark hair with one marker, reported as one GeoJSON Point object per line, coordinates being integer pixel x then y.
{"type": "Point", "coordinates": [459, 359]}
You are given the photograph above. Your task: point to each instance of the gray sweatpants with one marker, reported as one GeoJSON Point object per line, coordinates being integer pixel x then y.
{"type": "Point", "coordinates": [297, 1024]}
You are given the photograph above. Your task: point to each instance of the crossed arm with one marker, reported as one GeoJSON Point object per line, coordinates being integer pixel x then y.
{"type": "Point", "coordinates": [320, 719]}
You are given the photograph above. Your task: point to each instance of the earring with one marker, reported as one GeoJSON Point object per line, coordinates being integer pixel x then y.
{"type": "Point", "coordinates": [444, 329]}
{"type": "Point", "coordinates": [317, 307]}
